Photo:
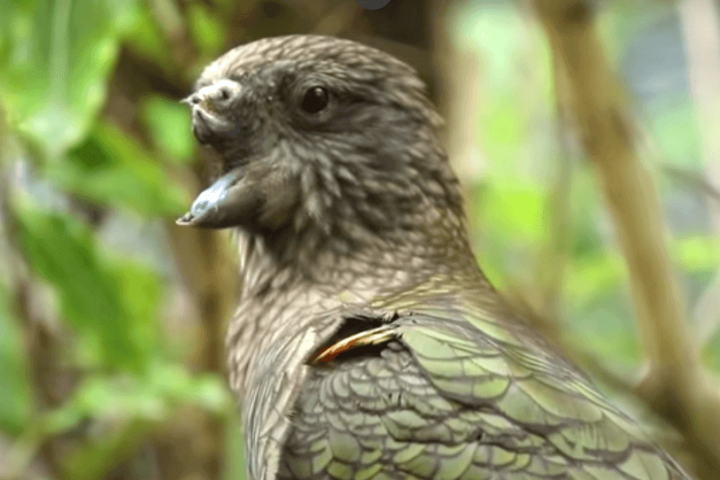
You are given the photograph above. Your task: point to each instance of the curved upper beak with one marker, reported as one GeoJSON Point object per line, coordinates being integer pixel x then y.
{"type": "Point", "coordinates": [224, 203]}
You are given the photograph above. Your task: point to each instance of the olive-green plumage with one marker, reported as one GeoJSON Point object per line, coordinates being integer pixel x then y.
{"type": "Point", "coordinates": [367, 344]}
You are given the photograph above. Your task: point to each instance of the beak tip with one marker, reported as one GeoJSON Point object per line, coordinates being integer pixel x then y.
{"type": "Point", "coordinates": [185, 220]}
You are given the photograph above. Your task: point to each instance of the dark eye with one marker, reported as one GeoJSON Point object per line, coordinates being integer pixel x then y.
{"type": "Point", "coordinates": [315, 99]}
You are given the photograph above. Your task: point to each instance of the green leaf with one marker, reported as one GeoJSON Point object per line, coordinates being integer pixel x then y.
{"type": "Point", "coordinates": [234, 459]}
{"type": "Point", "coordinates": [151, 395]}
{"type": "Point", "coordinates": [170, 380]}
{"type": "Point", "coordinates": [211, 393]}
{"type": "Point", "coordinates": [698, 253]}
{"type": "Point", "coordinates": [207, 32]}
{"type": "Point", "coordinates": [591, 276]}
{"type": "Point", "coordinates": [515, 210]}
{"type": "Point", "coordinates": [175, 383]}
{"type": "Point", "coordinates": [607, 326]}
{"type": "Point", "coordinates": [111, 168]}
{"type": "Point", "coordinates": [62, 250]}
{"type": "Point", "coordinates": [121, 398]}
{"type": "Point", "coordinates": [170, 124]}
{"type": "Point", "coordinates": [16, 400]}
{"type": "Point", "coordinates": [147, 40]}
{"type": "Point", "coordinates": [140, 291]}
{"type": "Point", "coordinates": [503, 131]}
{"type": "Point", "coordinates": [129, 406]}
{"type": "Point", "coordinates": [115, 397]}
{"type": "Point", "coordinates": [54, 63]}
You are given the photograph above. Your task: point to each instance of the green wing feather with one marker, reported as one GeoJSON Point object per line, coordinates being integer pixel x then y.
{"type": "Point", "coordinates": [453, 396]}
{"type": "Point", "coordinates": [515, 374]}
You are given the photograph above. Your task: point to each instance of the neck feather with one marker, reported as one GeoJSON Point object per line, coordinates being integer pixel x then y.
{"type": "Point", "coordinates": [356, 260]}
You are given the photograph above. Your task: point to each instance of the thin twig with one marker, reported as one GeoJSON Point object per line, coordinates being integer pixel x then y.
{"type": "Point", "coordinates": [556, 256]}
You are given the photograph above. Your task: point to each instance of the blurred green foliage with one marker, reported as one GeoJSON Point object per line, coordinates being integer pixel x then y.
{"type": "Point", "coordinates": [16, 400]}
{"type": "Point", "coordinates": [56, 63]}
{"type": "Point", "coordinates": [511, 209]}
{"type": "Point", "coordinates": [77, 138]}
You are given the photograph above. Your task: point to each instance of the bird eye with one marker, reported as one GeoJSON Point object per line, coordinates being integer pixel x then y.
{"type": "Point", "coordinates": [315, 99]}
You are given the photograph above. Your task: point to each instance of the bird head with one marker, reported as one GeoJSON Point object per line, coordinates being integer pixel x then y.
{"type": "Point", "coordinates": [318, 134]}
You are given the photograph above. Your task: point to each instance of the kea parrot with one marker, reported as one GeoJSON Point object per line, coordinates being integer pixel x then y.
{"type": "Point", "coordinates": [367, 343]}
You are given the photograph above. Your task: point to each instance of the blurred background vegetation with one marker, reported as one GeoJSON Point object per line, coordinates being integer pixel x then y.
{"type": "Point", "coordinates": [112, 318]}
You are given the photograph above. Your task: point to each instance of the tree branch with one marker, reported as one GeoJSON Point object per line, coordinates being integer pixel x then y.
{"type": "Point", "coordinates": [554, 260]}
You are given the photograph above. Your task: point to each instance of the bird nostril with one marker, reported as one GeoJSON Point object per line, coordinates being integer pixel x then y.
{"type": "Point", "coordinates": [193, 99]}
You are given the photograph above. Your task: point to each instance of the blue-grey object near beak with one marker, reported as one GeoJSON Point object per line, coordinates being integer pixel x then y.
{"type": "Point", "coordinates": [219, 205]}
